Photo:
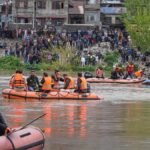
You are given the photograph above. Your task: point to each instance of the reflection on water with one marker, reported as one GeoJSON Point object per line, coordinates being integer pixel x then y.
{"type": "Point", "coordinates": [120, 122]}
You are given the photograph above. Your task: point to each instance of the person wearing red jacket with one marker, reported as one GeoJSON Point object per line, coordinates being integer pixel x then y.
{"type": "Point", "coordinates": [129, 71]}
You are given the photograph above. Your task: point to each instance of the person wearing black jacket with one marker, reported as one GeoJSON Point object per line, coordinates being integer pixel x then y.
{"type": "Point", "coordinates": [33, 82]}
{"type": "Point", "coordinates": [3, 126]}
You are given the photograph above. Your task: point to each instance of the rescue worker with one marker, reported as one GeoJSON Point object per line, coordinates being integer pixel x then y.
{"type": "Point", "coordinates": [3, 126]}
{"type": "Point", "coordinates": [56, 77]}
{"type": "Point", "coordinates": [33, 82]}
{"type": "Point", "coordinates": [82, 86]}
{"type": "Point", "coordinates": [114, 74]}
{"type": "Point", "coordinates": [99, 72]}
{"type": "Point", "coordinates": [139, 73]}
{"type": "Point", "coordinates": [68, 82]}
{"type": "Point", "coordinates": [46, 83]}
{"type": "Point", "coordinates": [17, 80]}
{"type": "Point", "coordinates": [129, 71]}
{"type": "Point", "coordinates": [119, 71]}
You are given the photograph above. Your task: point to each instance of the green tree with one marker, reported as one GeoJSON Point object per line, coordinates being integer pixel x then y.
{"type": "Point", "coordinates": [137, 21]}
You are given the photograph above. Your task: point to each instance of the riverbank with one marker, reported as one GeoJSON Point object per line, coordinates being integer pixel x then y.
{"type": "Point", "coordinates": [12, 63]}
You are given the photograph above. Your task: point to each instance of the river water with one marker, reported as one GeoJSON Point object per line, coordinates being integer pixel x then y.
{"type": "Point", "coordinates": [119, 122]}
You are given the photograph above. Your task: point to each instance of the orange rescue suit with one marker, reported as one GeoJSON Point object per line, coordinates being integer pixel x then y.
{"type": "Point", "coordinates": [138, 73]}
{"type": "Point", "coordinates": [71, 83]}
{"type": "Point", "coordinates": [83, 85]}
{"type": "Point", "coordinates": [17, 80]}
{"type": "Point", "coordinates": [47, 83]}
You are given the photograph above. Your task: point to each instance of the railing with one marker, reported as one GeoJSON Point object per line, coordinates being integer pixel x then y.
{"type": "Point", "coordinates": [113, 10]}
{"type": "Point", "coordinates": [111, 1]}
{"type": "Point", "coordinates": [92, 6]}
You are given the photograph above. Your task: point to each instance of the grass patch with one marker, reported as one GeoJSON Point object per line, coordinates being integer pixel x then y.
{"type": "Point", "coordinates": [10, 63]}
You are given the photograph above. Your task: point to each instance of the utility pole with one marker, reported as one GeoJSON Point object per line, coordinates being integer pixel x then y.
{"type": "Point", "coordinates": [34, 14]}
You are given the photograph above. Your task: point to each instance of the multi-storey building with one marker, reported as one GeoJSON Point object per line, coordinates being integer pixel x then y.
{"type": "Point", "coordinates": [59, 12]}
{"type": "Point", "coordinates": [111, 11]}
{"type": "Point", "coordinates": [42, 11]}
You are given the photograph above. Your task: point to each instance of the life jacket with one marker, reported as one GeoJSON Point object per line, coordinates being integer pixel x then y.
{"type": "Point", "coordinates": [83, 85]}
{"type": "Point", "coordinates": [99, 72]}
{"type": "Point", "coordinates": [138, 73]}
{"type": "Point", "coordinates": [17, 80]}
{"type": "Point", "coordinates": [47, 83]}
{"type": "Point", "coordinates": [130, 68]}
{"type": "Point", "coordinates": [71, 83]}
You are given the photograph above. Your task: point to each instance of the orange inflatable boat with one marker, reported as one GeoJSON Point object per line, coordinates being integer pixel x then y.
{"type": "Point", "coordinates": [28, 138]}
{"type": "Point", "coordinates": [28, 95]}
{"type": "Point", "coordinates": [121, 81]}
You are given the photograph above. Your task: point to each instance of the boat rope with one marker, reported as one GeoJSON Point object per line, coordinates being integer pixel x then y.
{"type": "Point", "coordinates": [26, 95]}
{"type": "Point", "coordinates": [13, 146]}
{"type": "Point", "coordinates": [9, 94]}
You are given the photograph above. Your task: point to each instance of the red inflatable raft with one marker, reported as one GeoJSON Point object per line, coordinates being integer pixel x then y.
{"type": "Point", "coordinates": [121, 81]}
{"type": "Point", "coordinates": [28, 138]}
{"type": "Point", "coordinates": [13, 94]}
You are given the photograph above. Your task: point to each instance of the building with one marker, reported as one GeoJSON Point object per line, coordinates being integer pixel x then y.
{"type": "Point", "coordinates": [44, 13]}
{"type": "Point", "coordinates": [41, 12]}
{"type": "Point", "coordinates": [111, 11]}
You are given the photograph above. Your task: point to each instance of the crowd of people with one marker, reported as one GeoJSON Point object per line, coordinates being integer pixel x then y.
{"type": "Point", "coordinates": [31, 43]}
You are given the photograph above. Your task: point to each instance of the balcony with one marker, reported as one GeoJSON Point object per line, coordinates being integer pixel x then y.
{"type": "Point", "coordinates": [92, 6]}
{"type": "Point", "coordinates": [111, 2]}
{"type": "Point", "coordinates": [76, 8]}
{"type": "Point", "coordinates": [113, 10]}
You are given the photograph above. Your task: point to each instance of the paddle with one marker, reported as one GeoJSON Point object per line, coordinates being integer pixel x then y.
{"type": "Point", "coordinates": [32, 121]}
{"type": "Point", "coordinates": [26, 124]}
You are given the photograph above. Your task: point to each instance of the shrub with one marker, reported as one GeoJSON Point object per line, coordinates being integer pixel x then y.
{"type": "Point", "coordinates": [111, 58]}
{"type": "Point", "coordinates": [10, 63]}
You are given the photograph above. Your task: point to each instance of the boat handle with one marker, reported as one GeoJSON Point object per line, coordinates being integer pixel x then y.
{"type": "Point", "coordinates": [26, 134]}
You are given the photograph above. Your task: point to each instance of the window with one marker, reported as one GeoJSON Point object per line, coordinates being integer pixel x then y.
{"type": "Point", "coordinates": [57, 5]}
{"type": "Point", "coordinates": [22, 4]}
{"type": "Point", "coordinates": [91, 1]}
{"type": "Point", "coordinates": [41, 4]}
{"type": "Point", "coordinates": [91, 18]}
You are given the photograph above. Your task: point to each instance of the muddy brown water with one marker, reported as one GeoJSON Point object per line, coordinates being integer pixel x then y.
{"type": "Point", "coordinates": [119, 122]}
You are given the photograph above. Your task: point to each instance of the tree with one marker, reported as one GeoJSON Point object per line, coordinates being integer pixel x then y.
{"type": "Point", "coordinates": [137, 22]}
